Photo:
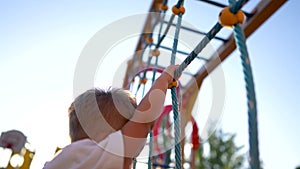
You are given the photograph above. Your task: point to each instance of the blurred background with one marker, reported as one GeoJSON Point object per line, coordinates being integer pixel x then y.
{"type": "Point", "coordinates": [41, 42]}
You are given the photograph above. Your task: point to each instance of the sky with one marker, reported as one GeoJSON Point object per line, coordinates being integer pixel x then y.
{"type": "Point", "coordinates": [41, 42]}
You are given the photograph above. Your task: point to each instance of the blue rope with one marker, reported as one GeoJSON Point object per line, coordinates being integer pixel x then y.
{"type": "Point", "coordinates": [177, 125]}
{"type": "Point", "coordinates": [162, 20]}
{"type": "Point", "coordinates": [150, 150]}
{"type": "Point", "coordinates": [155, 69]}
{"type": "Point", "coordinates": [252, 110]}
{"type": "Point", "coordinates": [145, 72]}
{"type": "Point", "coordinates": [134, 163]}
{"type": "Point", "coordinates": [140, 58]}
{"type": "Point", "coordinates": [165, 32]}
{"type": "Point", "coordinates": [138, 87]}
{"type": "Point", "coordinates": [179, 3]}
{"type": "Point", "coordinates": [177, 129]}
{"type": "Point", "coordinates": [175, 42]}
{"type": "Point", "coordinates": [153, 79]}
{"type": "Point", "coordinates": [160, 40]}
{"type": "Point", "coordinates": [198, 49]}
{"type": "Point", "coordinates": [236, 5]}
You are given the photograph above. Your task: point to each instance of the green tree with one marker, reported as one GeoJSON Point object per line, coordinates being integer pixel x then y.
{"type": "Point", "coordinates": [223, 152]}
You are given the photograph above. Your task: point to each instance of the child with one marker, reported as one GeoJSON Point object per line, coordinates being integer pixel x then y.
{"type": "Point", "coordinates": [108, 129]}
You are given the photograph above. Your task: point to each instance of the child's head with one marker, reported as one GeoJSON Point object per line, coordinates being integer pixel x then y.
{"type": "Point", "coordinates": [97, 112]}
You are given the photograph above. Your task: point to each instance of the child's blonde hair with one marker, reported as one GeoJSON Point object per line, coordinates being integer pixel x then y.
{"type": "Point", "coordinates": [97, 112]}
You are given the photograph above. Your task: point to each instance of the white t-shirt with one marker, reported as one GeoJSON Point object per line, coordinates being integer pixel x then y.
{"type": "Point", "coordinates": [87, 154]}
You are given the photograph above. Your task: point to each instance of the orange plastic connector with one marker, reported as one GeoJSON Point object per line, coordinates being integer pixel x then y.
{"type": "Point", "coordinates": [179, 10]}
{"type": "Point", "coordinates": [155, 52]}
{"type": "Point", "coordinates": [149, 40]}
{"type": "Point", "coordinates": [173, 84]}
{"type": "Point", "coordinates": [164, 7]}
{"type": "Point", "coordinates": [143, 81]}
{"type": "Point", "coordinates": [229, 19]}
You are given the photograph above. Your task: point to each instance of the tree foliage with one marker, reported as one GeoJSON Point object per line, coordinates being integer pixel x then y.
{"type": "Point", "coordinates": [223, 152]}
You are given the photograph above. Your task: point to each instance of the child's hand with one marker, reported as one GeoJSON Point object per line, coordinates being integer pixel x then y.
{"type": "Point", "coordinates": [169, 73]}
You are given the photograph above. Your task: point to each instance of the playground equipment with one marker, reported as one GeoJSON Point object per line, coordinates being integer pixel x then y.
{"type": "Point", "coordinates": [15, 140]}
{"type": "Point", "coordinates": [230, 16]}
{"type": "Point", "coordinates": [21, 156]}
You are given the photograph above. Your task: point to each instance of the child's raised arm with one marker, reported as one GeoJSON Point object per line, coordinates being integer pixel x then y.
{"type": "Point", "coordinates": [136, 130]}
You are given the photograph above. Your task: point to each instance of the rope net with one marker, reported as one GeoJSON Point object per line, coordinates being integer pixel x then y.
{"type": "Point", "coordinates": [230, 16]}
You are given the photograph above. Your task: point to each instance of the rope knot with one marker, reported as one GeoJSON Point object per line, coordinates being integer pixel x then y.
{"type": "Point", "coordinates": [177, 11]}
{"type": "Point", "coordinates": [229, 19]}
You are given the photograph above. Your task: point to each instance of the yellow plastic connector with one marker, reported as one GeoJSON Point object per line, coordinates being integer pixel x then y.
{"type": "Point", "coordinates": [229, 19]}
{"type": "Point", "coordinates": [179, 10]}
{"type": "Point", "coordinates": [173, 84]}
